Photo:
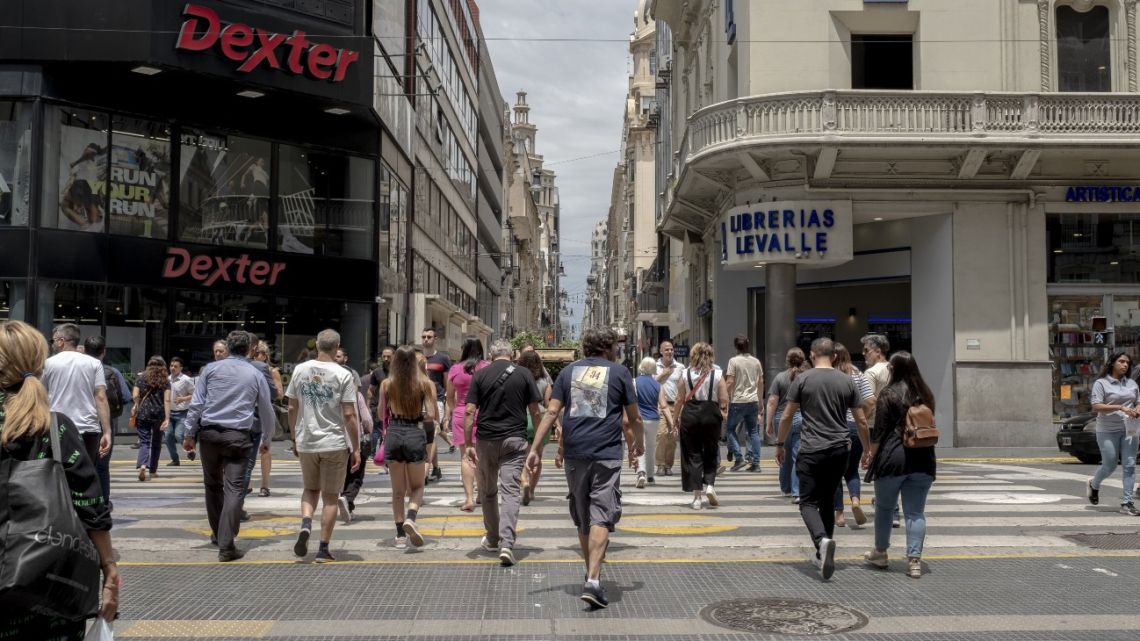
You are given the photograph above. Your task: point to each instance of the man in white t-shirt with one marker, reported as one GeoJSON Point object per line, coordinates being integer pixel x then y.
{"type": "Point", "coordinates": [77, 389]}
{"type": "Point", "coordinates": [323, 425]}
{"type": "Point", "coordinates": [876, 347]}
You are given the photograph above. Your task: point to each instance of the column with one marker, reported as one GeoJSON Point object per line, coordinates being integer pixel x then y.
{"type": "Point", "coordinates": [779, 315]}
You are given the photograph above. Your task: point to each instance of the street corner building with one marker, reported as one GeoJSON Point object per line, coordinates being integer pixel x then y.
{"type": "Point", "coordinates": [172, 171]}
{"type": "Point", "coordinates": [959, 177]}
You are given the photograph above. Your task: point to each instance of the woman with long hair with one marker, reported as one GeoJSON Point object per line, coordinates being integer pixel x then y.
{"type": "Point", "coordinates": [407, 399]}
{"type": "Point", "coordinates": [262, 354]}
{"type": "Point", "coordinates": [151, 398]}
{"type": "Point", "coordinates": [795, 364]}
{"type": "Point", "coordinates": [458, 382]}
{"type": "Point", "coordinates": [531, 360]}
{"type": "Point", "coordinates": [897, 469]}
{"type": "Point", "coordinates": [1114, 398]}
{"type": "Point", "coordinates": [842, 363]}
{"type": "Point", "coordinates": [701, 407]}
{"type": "Point", "coordinates": [25, 418]}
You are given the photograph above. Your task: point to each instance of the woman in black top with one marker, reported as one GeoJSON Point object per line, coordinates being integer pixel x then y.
{"type": "Point", "coordinates": [25, 418]}
{"type": "Point", "coordinates": [151, 396]}
{"type": "Point", "coordinates": [897, 469]}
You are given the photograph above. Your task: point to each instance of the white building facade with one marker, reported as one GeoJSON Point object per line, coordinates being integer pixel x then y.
{"type": "Point", "coordinates": [959, 175]}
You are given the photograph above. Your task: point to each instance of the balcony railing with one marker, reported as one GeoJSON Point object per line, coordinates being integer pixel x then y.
{"type": "Point", "coordinates": [929, 115]}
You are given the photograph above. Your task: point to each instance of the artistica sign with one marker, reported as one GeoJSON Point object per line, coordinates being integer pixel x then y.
{"type": "Point", "coordinates": [807, 233]}
{"type": "Point", "coordinates": [253, 47]}
{"type": "Point", "coordinates": [1103, 194]}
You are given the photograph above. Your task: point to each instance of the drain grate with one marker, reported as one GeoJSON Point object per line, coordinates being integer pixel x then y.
{"type": "Point", "coordinates": [1108, 540]}
{"type": "Point", "coordinates": [784, 616]}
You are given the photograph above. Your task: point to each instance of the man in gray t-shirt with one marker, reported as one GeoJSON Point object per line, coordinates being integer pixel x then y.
{"type": "Point", "coordinates": [822, 396]}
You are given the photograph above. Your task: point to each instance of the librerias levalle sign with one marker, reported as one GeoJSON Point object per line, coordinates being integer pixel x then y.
{"type": "Point", "coordinates": [808, 233]}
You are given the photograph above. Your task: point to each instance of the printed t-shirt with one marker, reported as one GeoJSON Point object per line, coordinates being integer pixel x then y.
{"type": "Point", "coordinates": [503, 407]}
{"type": "Point", "coordinates": [320, 388]}
{"type": "Point", "coordinates": [594, 392]}
{"type": "Point", "coordinates": [438, 364]}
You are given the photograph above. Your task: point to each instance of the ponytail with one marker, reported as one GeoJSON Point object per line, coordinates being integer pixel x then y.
{"type": "Point", "coordinates": [22, 355]}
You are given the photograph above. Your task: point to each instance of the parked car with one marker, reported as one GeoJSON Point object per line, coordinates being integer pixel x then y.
{"type": "Point", "coordinates": [1077, 436]}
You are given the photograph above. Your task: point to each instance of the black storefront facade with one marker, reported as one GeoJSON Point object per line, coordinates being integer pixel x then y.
{"type": "Point", "coordinates": [170, 172]}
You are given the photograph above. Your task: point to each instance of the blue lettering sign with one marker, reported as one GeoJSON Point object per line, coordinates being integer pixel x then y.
{"type": "Point", "coordinates": [1103, 194]}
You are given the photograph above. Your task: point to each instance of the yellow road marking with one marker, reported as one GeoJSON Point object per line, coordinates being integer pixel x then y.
{"type": "Point", "coordinates": [204, 629]}
{"type": "Point", "coordinates": [1128, 554]}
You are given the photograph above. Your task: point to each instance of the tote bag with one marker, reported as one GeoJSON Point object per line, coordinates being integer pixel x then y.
{"type": "Point", "coordinates": [48, 564]}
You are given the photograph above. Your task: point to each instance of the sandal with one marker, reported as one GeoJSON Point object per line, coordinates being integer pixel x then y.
{"type": "Point", "coordinates": [264, 492]}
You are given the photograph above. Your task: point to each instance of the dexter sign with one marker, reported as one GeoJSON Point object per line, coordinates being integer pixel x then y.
{"type": "Point", "coordinates": [253, 47]}
{"type": "Point", "coordinates": [208, 270]}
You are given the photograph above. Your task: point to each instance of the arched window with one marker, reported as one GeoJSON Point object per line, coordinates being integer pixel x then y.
{"type": "Point", "coordinates": [1083, 59]}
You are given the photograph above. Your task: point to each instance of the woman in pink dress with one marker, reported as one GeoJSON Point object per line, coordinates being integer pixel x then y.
{"type": "Point", "coordinates": [458, 381]}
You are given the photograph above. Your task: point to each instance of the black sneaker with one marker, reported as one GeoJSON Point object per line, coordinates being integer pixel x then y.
{"type": "Point", "coordinates": [755, 467]}
{"type": "Point", "coordinates": [596, 597]}
{"type": "Point", "coordinates": [739, 465]}
{"type": "Point", "coordinates": [1092, 493]}
{"type": "Point", "coordinates": [191, 455]}
{"type": "Point", "coordinates": [173, 464]}
{"type": "Point", "coordinates": [323, 556]}
{"type": "Point", "coordinates": [301, 547]}
{"type": "Point", "coordinates": [1129, 509]}
{"type": "Point", "coordinates": [729, 457]}
{"type": "Point", "coordinates": [437, 474]}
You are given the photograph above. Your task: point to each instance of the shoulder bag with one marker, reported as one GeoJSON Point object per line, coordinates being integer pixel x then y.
{"type": "Point", "coordinates": [48, 564]}
{"type": "Point", "coordinates": [133, 421]}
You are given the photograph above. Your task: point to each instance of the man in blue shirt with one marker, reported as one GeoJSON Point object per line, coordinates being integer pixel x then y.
{"type": "Point", "coordinates": [231, 400]}
{"type": "Point", "coordinates": [593, 393]}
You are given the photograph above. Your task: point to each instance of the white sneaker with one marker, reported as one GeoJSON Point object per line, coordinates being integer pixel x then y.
{"type": "Point", "coordinates": [342, 507]}
{"type": "Point", "coordinates": [641, 480]}
{"type": "Point", "coordinates": [506, 557]}
{"type": "Point", "coordinates": [487, 545]}
{"type": "Point", "coordinates": [826, 558]}
{"type": "Point", "coordinates": [710, 493]}
{"type": "Point", "coordinates": [413, 532]}
{"type": "Point", "coordinates": [697, 503]}
{"type": "Point", "coordinates": [401, 542]}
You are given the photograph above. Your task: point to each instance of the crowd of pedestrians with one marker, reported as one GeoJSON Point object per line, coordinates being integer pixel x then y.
{"type": "Point", "coordinates": [831, 426]}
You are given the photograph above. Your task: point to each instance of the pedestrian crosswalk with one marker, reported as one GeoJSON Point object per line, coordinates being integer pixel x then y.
{"type": "Point", "coordinates": [974, 508]}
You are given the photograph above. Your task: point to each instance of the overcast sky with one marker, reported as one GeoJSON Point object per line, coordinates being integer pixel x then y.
{"type": "Point", "coordinates": [576, 91]}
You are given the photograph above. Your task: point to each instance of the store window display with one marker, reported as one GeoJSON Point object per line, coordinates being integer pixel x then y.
{"type": "Point", "coordinates": [15, 162]}
{"type": "Point", "coordinates": [224, 189]}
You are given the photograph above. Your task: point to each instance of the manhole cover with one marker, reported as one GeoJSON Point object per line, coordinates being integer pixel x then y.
{"type": "Point", "coordinates": [1108, 540]}
{"type": "Point", "coordinates": [784, 616]}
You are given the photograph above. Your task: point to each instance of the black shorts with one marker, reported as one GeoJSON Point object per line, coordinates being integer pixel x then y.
{"type": "Point", "coordinates": [405, 443]}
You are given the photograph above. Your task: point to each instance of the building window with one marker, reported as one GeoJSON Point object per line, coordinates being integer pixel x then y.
{"type": "Point", "coordinates": [882, 61]}
{"type": "Point", "coordinates": [1093, 248]}
{"type": "Point", "coordinates": [75, 173]}
{"type": "Point", "coordinates": [13, 300]}
{"type": "Point", "coordinates": [140, 178]}
{"type": "Point", "coordinates": [15, 162]}
{"type": "Point", "coordinates": [325, 203]}
{"type": "Point", "coordinates": [224, 191]}
{"type": "Point", "coordinates": [1083, 59]}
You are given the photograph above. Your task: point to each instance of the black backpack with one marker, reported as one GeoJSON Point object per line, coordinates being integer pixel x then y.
{"type": "Point", "coordinates": [115, 400]}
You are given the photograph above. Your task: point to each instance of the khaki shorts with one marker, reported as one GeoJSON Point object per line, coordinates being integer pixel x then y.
{"type": "Point", "coordinates": [595, 493]}
{"type": "Point", "coordinates": [324, 471]}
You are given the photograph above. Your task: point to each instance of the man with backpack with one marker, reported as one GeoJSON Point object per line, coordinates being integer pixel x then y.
{"type": "Point", "coordinates": [118, 395]}
{"type": "Point", "coordinates": [501, 393]}
{"type": "Point", "coordinates": [822, 395]}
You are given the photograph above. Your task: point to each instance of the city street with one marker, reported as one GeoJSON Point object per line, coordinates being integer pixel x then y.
{"type": "Point", "coordinates": [999, 559]}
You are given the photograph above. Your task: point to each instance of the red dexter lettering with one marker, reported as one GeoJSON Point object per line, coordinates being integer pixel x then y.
{"type": "Point", "coordinates": [202, 30]}
{"type": "Point", "coordinates": [174, 254]}
{"type": "Point", "coordinates": [267, 51]}
{"type": "Point", "coordinates": [211, 269]}
{"type": "Point", "coordinates": [188, 38]}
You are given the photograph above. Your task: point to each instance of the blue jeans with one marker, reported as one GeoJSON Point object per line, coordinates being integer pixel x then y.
{"type": "Point", "coordinates": [1114, 445]}
{"type": "Point", "coordinates": [852, 473]}
{"type": "Point", "coordinates": [750, 414]}
{"type": "Point", "coordinates": [175, 434]}
{"type": "Point", "coordinates": [789, 482]}
{"type": "Point", "coordinates": [914, 489]}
